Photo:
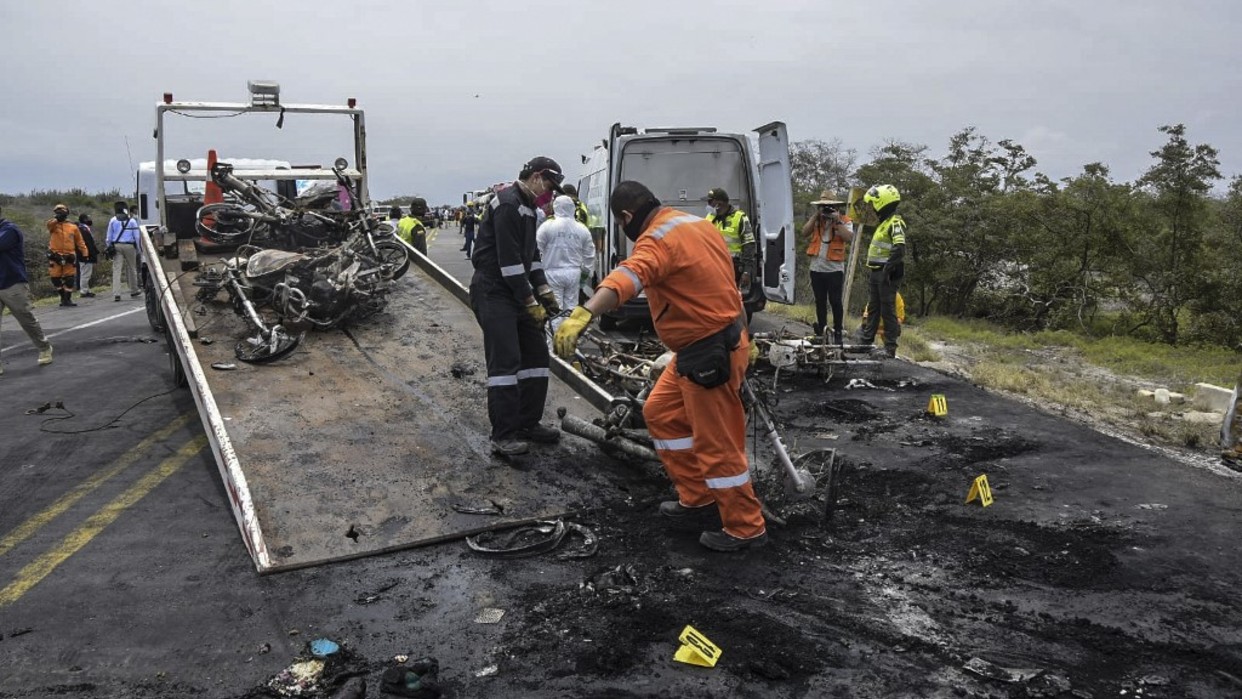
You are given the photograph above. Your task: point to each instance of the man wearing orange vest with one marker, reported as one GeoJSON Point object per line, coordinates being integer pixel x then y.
{"type": "Point", "coordinates": [64, 248]}
{"type": "Point", "coordinates": [694, 413]}
{"type": "Point", "coordinates": [829, 233]}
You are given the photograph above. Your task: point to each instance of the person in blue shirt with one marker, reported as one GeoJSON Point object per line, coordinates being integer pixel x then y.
{"type": "Point", "coordinates": [121, 244]}
{"type": "Point", "coordinates": [15, 287]}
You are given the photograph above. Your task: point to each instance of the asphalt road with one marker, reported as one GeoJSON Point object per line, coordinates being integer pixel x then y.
{"type": "Point", "coordinates": [122, 573]}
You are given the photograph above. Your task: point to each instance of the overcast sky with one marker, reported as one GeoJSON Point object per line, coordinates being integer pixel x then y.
{"type": "Point", "coordinates": [459, 94]}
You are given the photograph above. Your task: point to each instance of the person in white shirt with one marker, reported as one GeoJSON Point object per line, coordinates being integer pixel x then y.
{"type": "Point", "coordinates": [567, 251]}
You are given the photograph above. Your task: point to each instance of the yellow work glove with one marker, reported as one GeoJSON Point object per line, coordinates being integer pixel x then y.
{"type": "Point", "coordinates": [566, 340]}
{"type": "Point", "coordinates": [537, 312]}
{"type": "Point", "coordinates": [547, 299]}
{"type": "Point", "coordinates": [753, 353]}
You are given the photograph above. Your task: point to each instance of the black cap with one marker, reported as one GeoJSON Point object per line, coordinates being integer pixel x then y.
{"type": "Point", "coordinates": [718, 194]}
{"type": "Point", "coordinates": [549, 168]}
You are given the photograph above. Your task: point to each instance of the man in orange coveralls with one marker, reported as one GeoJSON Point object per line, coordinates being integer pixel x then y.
{"type": "Point", "coordinates": [64, 248]}
{"type": "Point", "coordinates": [694, 413]}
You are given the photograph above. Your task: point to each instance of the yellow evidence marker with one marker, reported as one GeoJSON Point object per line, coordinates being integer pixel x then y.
{"type": "Point", "coordinates": [696, 649]}
{"type": "Point", "coordinates": [980, 489]}
{"type": "Point", "coordinates": [938, 406]}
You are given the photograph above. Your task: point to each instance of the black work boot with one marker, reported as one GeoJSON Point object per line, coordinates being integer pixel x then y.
{"type": "Point", "coordinates": [510, 447]}
{"type": "Point", "coordinates": [540, 434]}
{"type": "Point", "coordinates": [722, 541]}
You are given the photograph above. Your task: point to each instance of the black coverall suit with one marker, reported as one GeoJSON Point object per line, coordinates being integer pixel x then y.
{"type": "Point", "coordinates": [507, 269]}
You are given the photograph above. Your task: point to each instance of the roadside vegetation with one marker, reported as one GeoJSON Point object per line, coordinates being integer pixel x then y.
{"type": "Point", "coordinates": [31, 212]}
{"type": "Point", "coordinates": [1071, 293]}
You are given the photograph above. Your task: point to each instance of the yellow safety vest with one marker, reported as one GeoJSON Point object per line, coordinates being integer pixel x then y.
{"type": "Point", "coordinates": [408, 226]}
{"type": "Point", "coordinates": [891, 232]}
{"type": "Point", "coordinates": [731, 228]}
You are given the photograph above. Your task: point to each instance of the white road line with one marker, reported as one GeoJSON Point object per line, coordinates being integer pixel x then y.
{"type": "Point", "coordinates": [114, 316]}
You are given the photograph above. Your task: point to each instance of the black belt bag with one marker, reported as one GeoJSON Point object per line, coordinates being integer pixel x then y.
{"type": "Point", "coordinates": [707, 362]}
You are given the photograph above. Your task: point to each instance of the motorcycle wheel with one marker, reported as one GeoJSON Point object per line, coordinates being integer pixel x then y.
{"type": "Point", "coordinates": [393, 253]}
{"type": "Point", "coordinates": [254, 350]}
{"type": "Point", "coordinates": [228, 223]}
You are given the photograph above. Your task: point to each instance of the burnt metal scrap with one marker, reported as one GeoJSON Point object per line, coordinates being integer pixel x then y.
{"type": "Point", "coordinates": [280, 292]}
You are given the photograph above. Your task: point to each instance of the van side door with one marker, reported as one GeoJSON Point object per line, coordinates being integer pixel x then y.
{"type": "Point", "coordinates": [776, 214]}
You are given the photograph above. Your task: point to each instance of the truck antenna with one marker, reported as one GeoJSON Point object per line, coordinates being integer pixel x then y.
{"type": "Point", "coordinates": [128, 154]}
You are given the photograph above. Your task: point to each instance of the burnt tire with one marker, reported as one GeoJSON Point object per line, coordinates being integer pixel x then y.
{"type": "Point", "coordinates": [393, 253]}
{"type": "Point", "coordinates": [281, 345]}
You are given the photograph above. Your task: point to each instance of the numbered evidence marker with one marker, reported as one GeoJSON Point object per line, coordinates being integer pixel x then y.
{"type": "Point", "coordinates": [980, 489]}
{"type": "Point", "coordinates": [696, 649]}
{"type": "Point", "coordinates": [938, 406]}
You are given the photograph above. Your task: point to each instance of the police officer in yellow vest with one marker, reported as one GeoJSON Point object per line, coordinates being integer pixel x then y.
{"type": "Point", "coordinates": [411, 229]}
{"type": "Point", "coordinates": [738, 235]}
{"type": "Point", "coordinates": [885, 260]}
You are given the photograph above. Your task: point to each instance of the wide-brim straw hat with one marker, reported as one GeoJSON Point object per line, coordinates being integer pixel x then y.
{"type": "Point", "coordinates": [826, 197]}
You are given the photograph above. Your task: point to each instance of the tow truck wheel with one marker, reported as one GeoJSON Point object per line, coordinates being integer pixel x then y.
{"type": "Point", "coordinates": [174, 361]}
{"type": "Point", "coordinates": [155, 316]}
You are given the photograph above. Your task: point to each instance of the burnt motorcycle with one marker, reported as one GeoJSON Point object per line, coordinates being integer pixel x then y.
{"type": "Point", "coordinates": [254, 215]}
{"type": "Point", "coordinates": [317, 288]}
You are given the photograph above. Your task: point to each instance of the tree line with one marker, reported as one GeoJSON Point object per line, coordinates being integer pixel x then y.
{"type": "Point", "coordinates": [1159, 258]}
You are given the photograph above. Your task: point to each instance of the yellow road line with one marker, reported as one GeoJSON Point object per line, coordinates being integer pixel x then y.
{"type": "Point", "coordinates": [32, 525]}
{"type": "Point", "coordinates": [30, 576]}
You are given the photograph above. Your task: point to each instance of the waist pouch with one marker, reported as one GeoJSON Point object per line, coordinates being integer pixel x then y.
{"type": "Point", "coordinates": [61, 258]}
{"type": "Point", "coordinates": [706, 362]}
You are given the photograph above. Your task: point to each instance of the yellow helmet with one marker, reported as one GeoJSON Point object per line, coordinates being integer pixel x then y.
{"type": "Point", "coordinates": [881, 195]}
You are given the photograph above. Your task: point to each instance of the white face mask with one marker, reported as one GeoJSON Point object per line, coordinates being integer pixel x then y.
{"type": "Point", "coordinates": [711, 210]}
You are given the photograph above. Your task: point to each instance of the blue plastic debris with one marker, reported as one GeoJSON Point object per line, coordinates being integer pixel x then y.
{"type": "Point", "coordinates": [322, 647]}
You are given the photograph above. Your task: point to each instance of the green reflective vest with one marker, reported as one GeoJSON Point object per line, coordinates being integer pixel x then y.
{"type": "Point", "coordinates": [891, 232]}
{"type": "Point", "coordinates": [408, 227]}
{"type": "Point", "coordinates": [581, 215]}
{"type": "Point", "coordinates": [735, 229]}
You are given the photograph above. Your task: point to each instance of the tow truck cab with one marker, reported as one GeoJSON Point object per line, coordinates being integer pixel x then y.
{"type": "Point", "coordinates": [680, 165]}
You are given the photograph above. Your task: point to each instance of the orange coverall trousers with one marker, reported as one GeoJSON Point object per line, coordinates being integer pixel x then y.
{"type": "Point", "coordinates": [700, 435]}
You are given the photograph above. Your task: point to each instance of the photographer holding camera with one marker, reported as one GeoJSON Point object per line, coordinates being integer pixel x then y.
{"type": "Point", "coordinates": [830, 233]}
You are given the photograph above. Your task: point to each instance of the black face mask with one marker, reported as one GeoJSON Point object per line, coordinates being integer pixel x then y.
{"type": "Point", "coordinates": [635, 227]}
{"type": "Point", "coordinates": [61, 217]}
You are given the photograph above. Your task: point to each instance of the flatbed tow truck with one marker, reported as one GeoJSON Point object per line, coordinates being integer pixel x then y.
{"type": "Point", "coordinates": [366, 440]}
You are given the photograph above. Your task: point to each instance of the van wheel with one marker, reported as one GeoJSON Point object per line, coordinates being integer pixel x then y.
{"type": "Point", "coordinates": [174, 361]}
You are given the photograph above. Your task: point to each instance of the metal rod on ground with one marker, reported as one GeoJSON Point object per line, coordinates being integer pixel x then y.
{"type": "Point", "coordinates": [799, 482]}
{"type": "Point", "coordinates": [577, 426]}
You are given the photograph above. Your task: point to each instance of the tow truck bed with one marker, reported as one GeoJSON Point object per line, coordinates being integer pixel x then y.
{"type": "Point", "coordinates": [362, 440]}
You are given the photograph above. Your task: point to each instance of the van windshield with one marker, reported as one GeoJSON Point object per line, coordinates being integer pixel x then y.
{"type": "Point", "coordinates": [681, 170]}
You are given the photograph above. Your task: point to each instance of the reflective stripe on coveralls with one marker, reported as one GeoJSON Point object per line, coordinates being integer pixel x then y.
{"type": "Point", "coordinates": [700, 433]}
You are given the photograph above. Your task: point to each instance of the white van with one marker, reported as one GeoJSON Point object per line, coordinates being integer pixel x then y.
{"type": "Point", "coordinates": [680, 166]}
{"type": "Point", "coordinates": [185, 195]}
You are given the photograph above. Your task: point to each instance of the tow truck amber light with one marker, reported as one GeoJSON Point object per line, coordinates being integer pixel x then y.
{"type": "Point", "coordinates": [167, 98]}
{"type": "Point", "coordinates": [351, 102]}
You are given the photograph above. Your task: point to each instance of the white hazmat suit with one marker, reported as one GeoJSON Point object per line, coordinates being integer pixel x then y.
{"type": "Point", "coordinates": [567, 251]}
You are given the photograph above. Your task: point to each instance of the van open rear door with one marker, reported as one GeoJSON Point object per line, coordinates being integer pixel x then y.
{"type": "Point", "coordinates": [776, 215]}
